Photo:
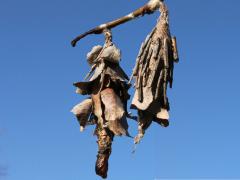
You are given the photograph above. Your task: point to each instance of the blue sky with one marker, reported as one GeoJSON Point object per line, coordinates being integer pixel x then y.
{"type": "Point", "coordinates": [40, 138]}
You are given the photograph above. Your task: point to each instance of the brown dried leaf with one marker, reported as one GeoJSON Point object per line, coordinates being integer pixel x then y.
{"type": "Point", "coordinates": [83, 111]}
{"type": "Point", "coordinates": [114, 112]}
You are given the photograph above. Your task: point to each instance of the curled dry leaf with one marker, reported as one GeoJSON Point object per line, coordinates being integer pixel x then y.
{"type": "Point", "coordinates": [83, 111]}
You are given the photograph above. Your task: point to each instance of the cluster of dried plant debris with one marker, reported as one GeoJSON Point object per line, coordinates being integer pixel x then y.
{"type": "Point", "coordinates": [107, 84]}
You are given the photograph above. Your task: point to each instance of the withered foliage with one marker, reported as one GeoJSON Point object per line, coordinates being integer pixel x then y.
{"type": "Point", "coordinates": [107, 105]}
{"type": "Point", "coordinates": [153, 72]}
{"type": "Point", "coordinates": [108, 89]}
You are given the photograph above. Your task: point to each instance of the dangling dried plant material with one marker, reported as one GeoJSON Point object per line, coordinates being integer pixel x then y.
{"type": "Point", "coordinates": [108, 88]}
{"type": "Point", "coordinates": [107, 85]}
{"type": "Point", "coordinates": [114, 112]}
{"type": "Point", "coordinates": [153, 72]}
{"type": "Point", "coordinates": [83, 111]}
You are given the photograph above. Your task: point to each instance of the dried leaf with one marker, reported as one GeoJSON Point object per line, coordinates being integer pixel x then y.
{"type": "Point", "coordinates": [114, 112]}
{"type": "Point", "coordinates": [82, 112]}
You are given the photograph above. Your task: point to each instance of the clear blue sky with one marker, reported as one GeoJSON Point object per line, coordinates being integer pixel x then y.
{"type": "Point", "coordinates": [40, 138]}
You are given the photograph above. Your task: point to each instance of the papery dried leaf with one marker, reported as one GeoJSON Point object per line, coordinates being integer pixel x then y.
{"type": "Point", "coordinates": [114, 112]}
{"type": "Point", "coordinates": [162, 118]}
{"type": "Point", "coordinates": [83, 111]}
{"type": "Point", "coordinates": [148, 99]}
{"type": "Point", "coordinates": [93, 54]}
{"type": "Point", "coordinates": [111, 54]}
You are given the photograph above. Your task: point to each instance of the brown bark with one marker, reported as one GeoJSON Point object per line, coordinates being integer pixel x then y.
{"type": "Point", "coordinates": [149, 8]}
